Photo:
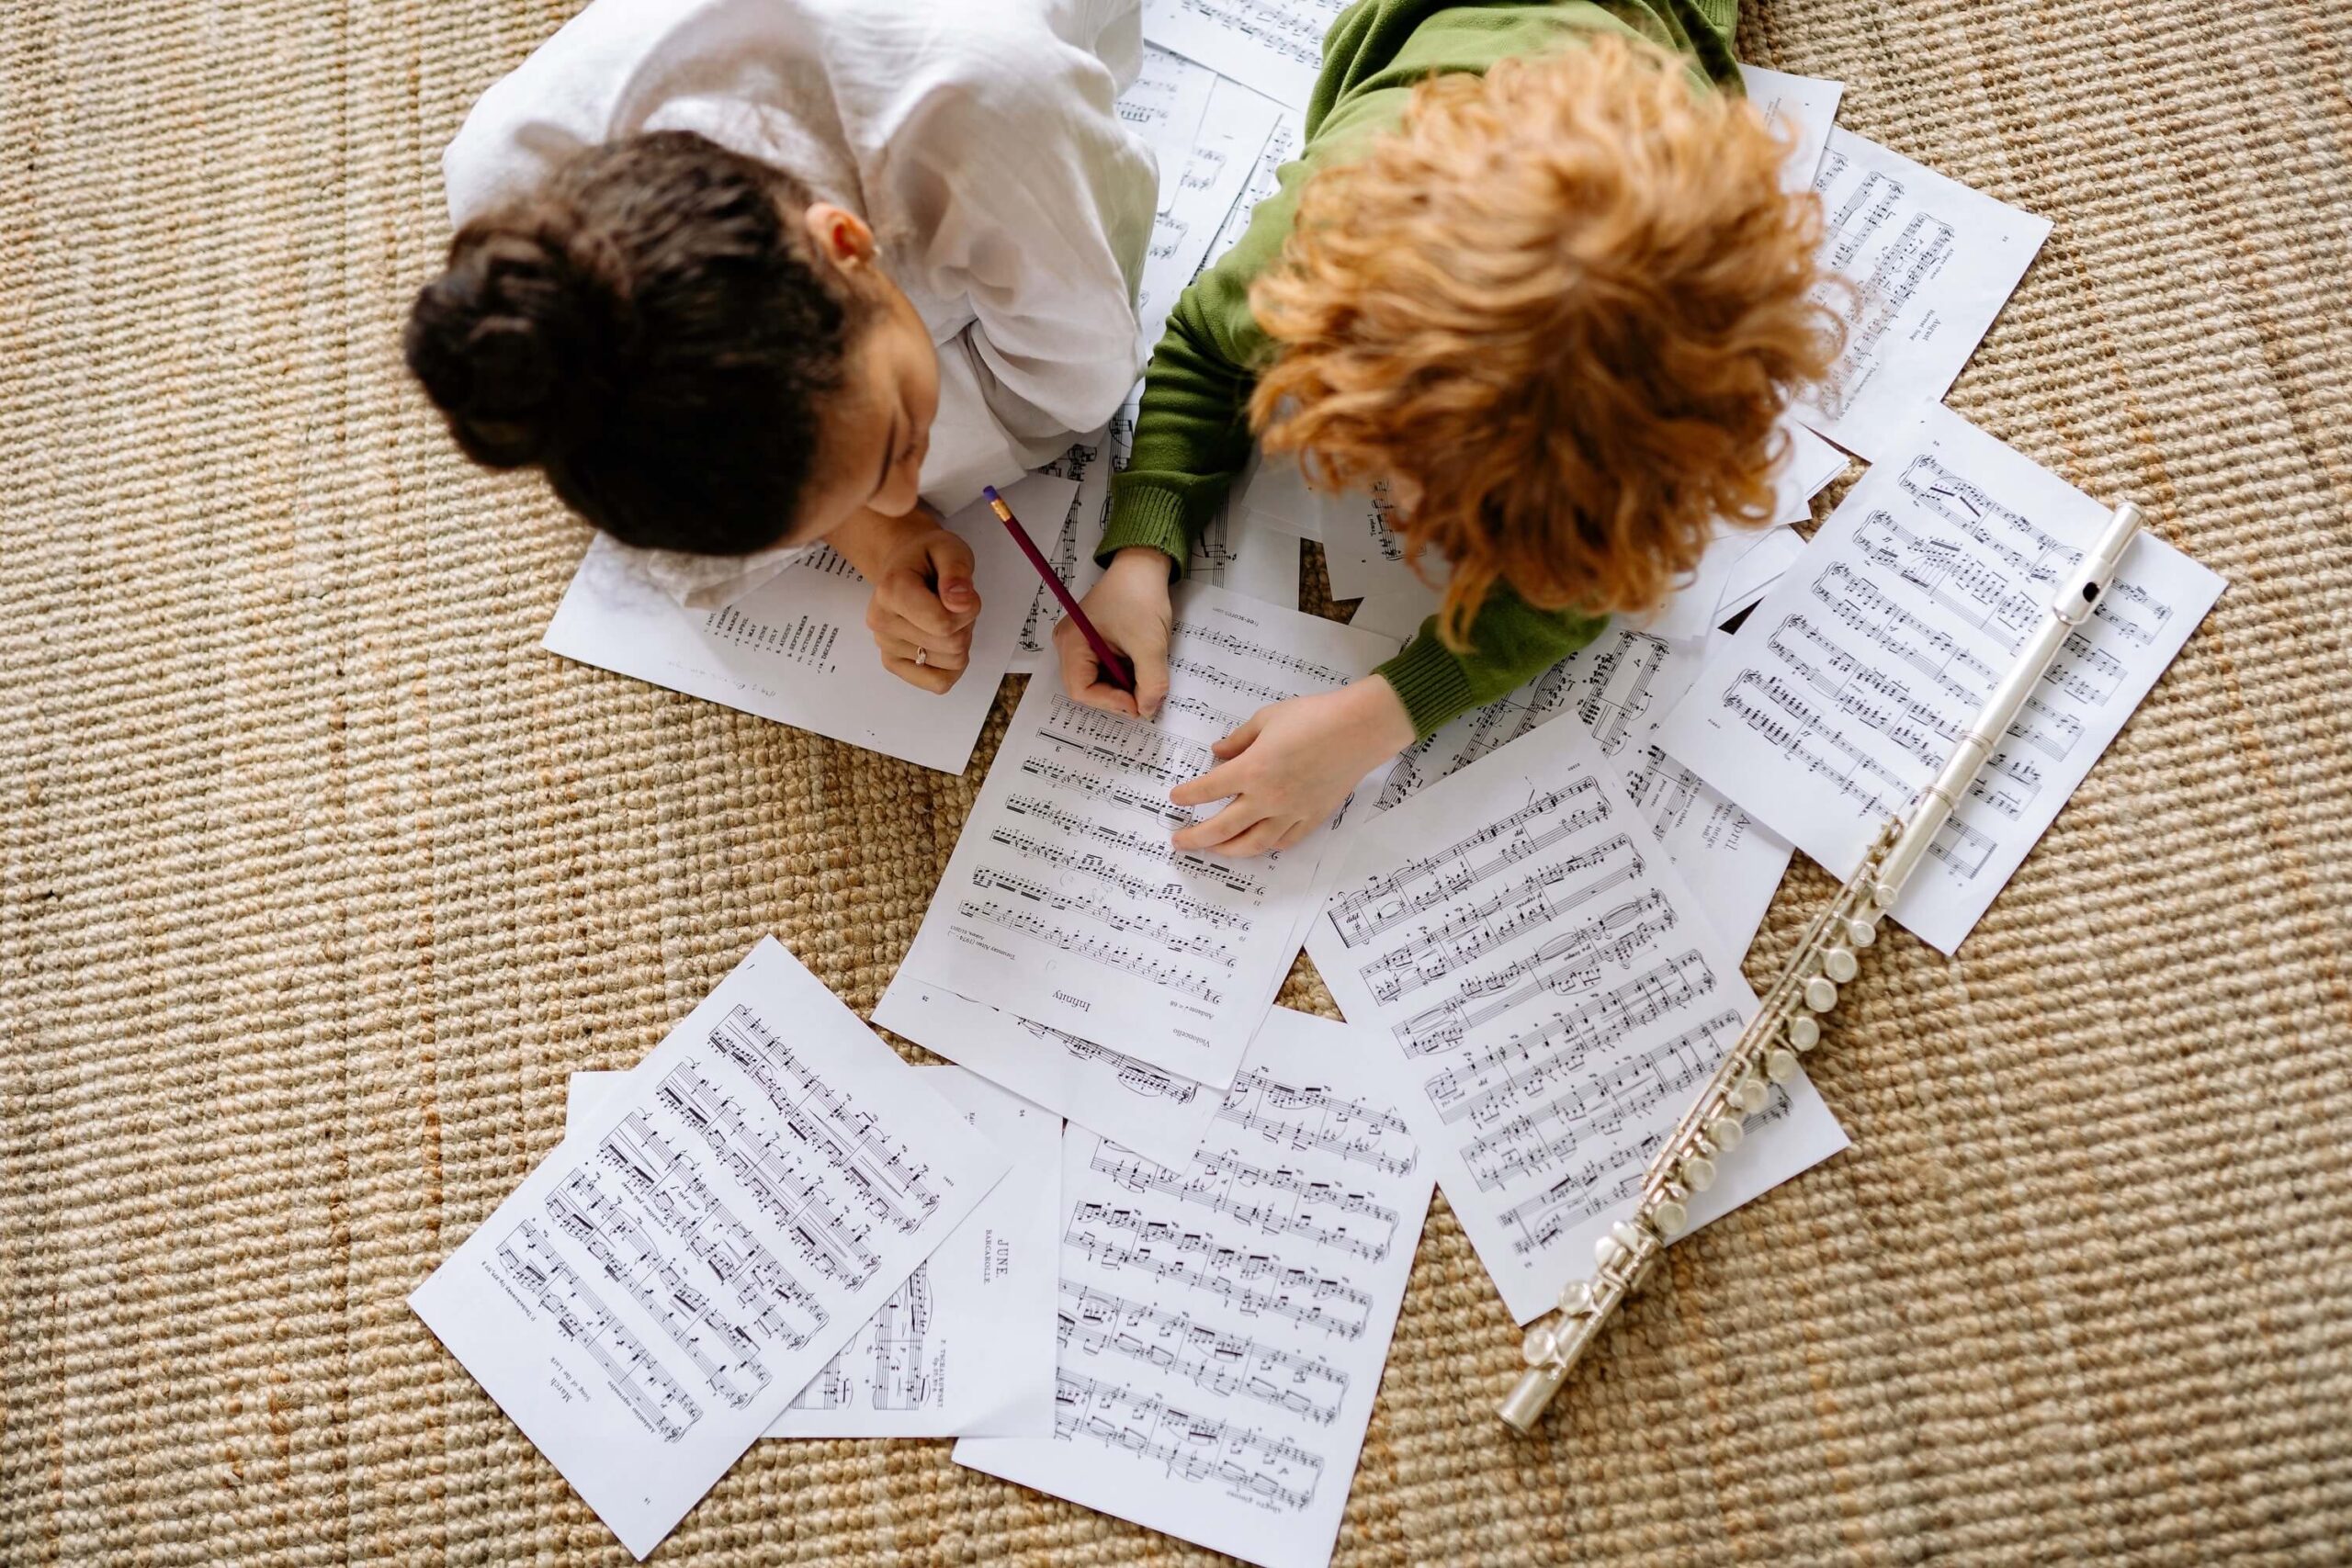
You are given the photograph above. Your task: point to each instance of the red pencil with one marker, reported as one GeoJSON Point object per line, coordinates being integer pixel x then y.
{"type": "Point", "coordinates": [1114, 669]}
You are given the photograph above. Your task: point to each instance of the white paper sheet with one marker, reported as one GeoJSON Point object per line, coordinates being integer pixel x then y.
{"type": "Point", "coordinates": [1811, 464]}
{"type": "Point", "coordinates": [1225, 1322]}
{"type": "Point", "coordinates": [1732, 574]}
{"type": "Point", "coordinates": [1164, 105]}
{"type": "Point", "coordinates": [1273, 46]}
{"type": "Point", "coordinates": [966, 1347]}
{"type": "Point", "coordinates": [1224, 155]}
{"type": "Point", "coordinates": [1545, 995]}
{"type": "Point", "coordinates": [1846, 688]}
{"type": "Point", "coordinates": [1063, 902]}
{"type": "Point", "coordinates": [1621, 687]}
{"type": "Point", "coordinates": [1282, 145]}
{"type": "Point", "coordinates": [1805, 107]}
{"type": "Point", "coordinates": [1934, 262]}
{"type": "Point", "coordinates": [796, 649]}
{"type": "Point", "coordinates": [1149, 1109]}
{"type": "Point", "coordinates": [1248, 559]}
{"type": "Point", "coordinates": [660, 1287]}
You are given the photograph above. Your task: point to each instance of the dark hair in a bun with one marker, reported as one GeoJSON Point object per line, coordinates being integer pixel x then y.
{"type": "Point", "coordinates": [654, 329]}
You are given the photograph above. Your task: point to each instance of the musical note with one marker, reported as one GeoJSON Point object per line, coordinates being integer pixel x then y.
{"type": "Point", "coordinates": [1223, 1321]}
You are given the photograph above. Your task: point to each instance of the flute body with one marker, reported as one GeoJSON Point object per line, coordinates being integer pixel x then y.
{"type": "Point", "coordinates": [1788, 1018]}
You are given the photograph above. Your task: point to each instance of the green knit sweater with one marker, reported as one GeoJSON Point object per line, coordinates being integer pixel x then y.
{"type": "Point", "coordinates": [1193, 431]}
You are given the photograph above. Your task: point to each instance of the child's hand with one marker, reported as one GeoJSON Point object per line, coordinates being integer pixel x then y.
{"type": "Point", "coordinates": [1130, 608]}
{"type": "Point", "coordinates": [923, 604]}
{"type": "Point", "coordinates": [1291, 766]}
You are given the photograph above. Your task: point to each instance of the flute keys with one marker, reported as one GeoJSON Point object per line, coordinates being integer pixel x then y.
{"type": "Point", "coordinates": [1840, 964]}
{"type": "Point", "coordinates": [1727, 1131]}
{"type": "Point", "coordinates": [1805, 1032]}
{"type": "Point", "coordinates": [1698, 1173]}
{"type": "Point", "coordinates": [1541, 1344]}
{"type": "Point", "coordinates": [1820, 993]}
{"type": "Point", "coordinates": [1861, 932]}
{"type": "Point", "coordinates": [1751, 1094]}
{"type": "Point", "coordinates": [1576, 1298]}
{"type": "Point", "coordinates": [1670, 1217]}
{"type": "Point", "coordinates": [1608, 1251]}
{"type": "Point", "coordinates": [1627, 1236]}
{"type": "Point", "coordinates": [1780, 1066]}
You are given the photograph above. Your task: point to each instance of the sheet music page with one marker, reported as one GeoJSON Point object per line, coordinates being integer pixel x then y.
{"type": "Point", "coordinates": [1248, 559]}
{"type": "Point", "coordinates": [1090, 463]}
{"type": "Point", "coordinates": [1157, 1112]}
{"type": "Point", "coordinates": [966, 1347]}
{"type": "Point", "coordinates": [1547, 994]}
{"type": "Point", "coordinates": [1273, 46]}
{"type": "Point", "coordinates": [1846, 688]}
{"type": "Point", "coordinates": [1621, 687]}
{"type": "Point", "coordinates": [796, 649]}
{"type": "Point", "coordinates": [660, 1288]}
{"type": "Point", "coordinates": [1063, 902]}
{"type": "Point", "coordinates": [1225, 1321]}
{"type": "Point", "coordinates": [1811, 464]}
{"type": "Point", "coordinates": [1933, 261]}
{"type": "Point", "coordinates": [1224, 155]}
{"type": "Point", "coordinates": [1164, 105]}
{"type": "Point", "coordinates": [1282, 142]}
{"type": "Point", "coordinates": [1802, 107]}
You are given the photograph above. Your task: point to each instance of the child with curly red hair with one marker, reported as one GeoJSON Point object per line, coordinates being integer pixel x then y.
{"type": "Point", "coordinates": [1532, 273]}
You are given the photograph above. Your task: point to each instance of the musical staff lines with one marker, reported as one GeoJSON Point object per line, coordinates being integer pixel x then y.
{"type": "Point", "coordinates": [1175, 976]}
{"type": "Point", "coordinates": [1280, 1201]}
{"type": "Point", "coordinates": [1225, 1273]}
{"type": "Point", "coordinates": [1363, 914]}
{"type": "Point", "coordinates": [652, 1394]}
{"type": "Point", "coordinates": [1248, 1462]}
{"type": "Point", "coordinates": [1281, 1113]}
{"type": "Point", "coordinates": [1217, 1359]}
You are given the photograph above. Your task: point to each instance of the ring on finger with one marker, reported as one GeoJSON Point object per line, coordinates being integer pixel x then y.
{"type": "Point", "coordinates": [922, 658]}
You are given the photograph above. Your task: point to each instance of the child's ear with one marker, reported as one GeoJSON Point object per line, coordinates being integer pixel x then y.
{"type": "Point", "coordinates": [842, 235]}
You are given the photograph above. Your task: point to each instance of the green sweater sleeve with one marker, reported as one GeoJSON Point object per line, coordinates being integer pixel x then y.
{"type": "Point", "coordinates": [1512, 642]}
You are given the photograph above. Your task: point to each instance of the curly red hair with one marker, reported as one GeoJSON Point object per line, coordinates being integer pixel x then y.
{"type": "Point", "coordinates": [1564, 303]}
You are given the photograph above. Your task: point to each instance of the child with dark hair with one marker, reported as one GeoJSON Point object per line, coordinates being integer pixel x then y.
{"type": "Point", "coordinates": [744, 276]}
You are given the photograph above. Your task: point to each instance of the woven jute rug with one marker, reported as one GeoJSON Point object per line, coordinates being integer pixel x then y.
{"type": "Point", "coordinates": [317, 878]}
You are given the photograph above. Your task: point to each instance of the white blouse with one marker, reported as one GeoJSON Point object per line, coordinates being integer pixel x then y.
{"type": "Point", "coordinates": [977, 138]}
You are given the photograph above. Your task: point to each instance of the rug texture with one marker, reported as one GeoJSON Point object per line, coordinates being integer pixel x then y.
{"type": "Point", "coordinates": [317, 878]}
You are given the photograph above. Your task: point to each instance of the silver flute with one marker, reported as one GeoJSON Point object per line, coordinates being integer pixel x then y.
{"type": "Point", "coordinates": [1788, 1023]}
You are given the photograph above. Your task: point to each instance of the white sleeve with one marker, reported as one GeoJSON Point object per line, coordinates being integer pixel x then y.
{"type": "Point", "coordinates": [1034, 199]}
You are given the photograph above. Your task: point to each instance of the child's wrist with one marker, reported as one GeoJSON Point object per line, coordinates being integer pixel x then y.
{"type": "Point", "coordinates": [1376, 705]}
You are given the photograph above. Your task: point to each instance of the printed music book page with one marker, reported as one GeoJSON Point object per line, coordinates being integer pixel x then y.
{"type": "Point", "coordinates": [966, 1347]}
{"type": "Point", "coordinates": [1621, 687]}
{"type": "Point", "coordinates": [796, 649]}
{"type": "Point", "coordinates": [1543, 995]}
{"type": "Point", "coordinates": [1064, 903]}
{"type": "Point", "coordinates": [1845, 691]}
{"type": "Point", "coordinates": [1933, 262]}
{"type": "Point", "coordinates": [1151, 1110]}
{"type": "Point", "coordinates": [1224, 1320]}
{"type": "Point", "coordinates": [1273, 46]}
{"type": "Point", "coordinates": [659, 1288]}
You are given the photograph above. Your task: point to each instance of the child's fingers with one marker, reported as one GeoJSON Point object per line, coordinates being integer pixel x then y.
{"type": "Point", "coordinates": [1217, 784]}
{"type": "Point", "coordinates": [1267, 835]}
{"type": "Point", "coordinates": [1234, 744]}
{"type": "Point", "coordinates": [1229, 824]}
{"type": "Point", "coordinates": [1082, 675]}
{"type": "Point", "coordinates": [1151, 681]}
{"type": "Point", "coordinates": [1299, 831]}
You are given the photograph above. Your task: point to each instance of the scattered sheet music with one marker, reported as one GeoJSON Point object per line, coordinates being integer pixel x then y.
{"type": "Point", "coordinates": [1846, 689]}
{"type": "Point", "coordinates": [1811, 464]}
{"type": "Point", "coordinates": [1157, 1112]}
{"type": "Point", "coordinates": [1282, 145]}
{"type": "Point", "coordinates": [1225, 155]}
{"type": "Point", "coordinates": [1621, 688]}
{"type": "Point", "coordinates": [1545, 995]}
{"type": "Point", "coordinates": [966, 1347]}
{"type": "Point", "coordinates": [1934, 263]}
{"type": "Point", "coordinates": [1225, 1321]}
{"type": "Point", "coordinates": [1164, 105]}
{"type": "Point", "coordinates": [1063, 902]}
{"type": "Point", "coordinates": [1803, 108]}
{"type": "Point", "coordinates": [796, 649]}
{"type": "Point", "coordinates": [1738, 566]}
{"type": "Point", "coordinates": [1273, 46]}
{"type": "Point", "coordinates": [657, 1291]}
{"type": "Point", "coordinates": [1089, 463]}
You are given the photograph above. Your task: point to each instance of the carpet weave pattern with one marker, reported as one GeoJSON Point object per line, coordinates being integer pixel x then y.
{"type": "Point", "coordinates": [317, 878]}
